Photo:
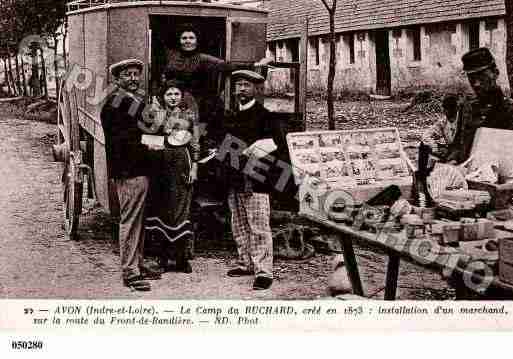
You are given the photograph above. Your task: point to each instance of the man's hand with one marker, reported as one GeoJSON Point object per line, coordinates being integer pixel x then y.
{"type": "Point", "coordinates": [154, 147]}
{"type": "Point", "coordinates": [228, 113]}
{"type": "Point", "coordinates": [264, 62]}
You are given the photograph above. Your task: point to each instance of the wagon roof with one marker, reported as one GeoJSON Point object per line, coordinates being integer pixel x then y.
{"type": "Point", "coordinates": [79, 6]}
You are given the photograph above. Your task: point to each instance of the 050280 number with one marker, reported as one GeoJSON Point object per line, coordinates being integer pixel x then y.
{"type": "Point", "coordinates": [26, 344]}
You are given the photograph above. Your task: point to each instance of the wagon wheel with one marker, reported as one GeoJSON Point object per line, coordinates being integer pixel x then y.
{"type": "Point", "coordinates": [68, 148]}
{"type": "Point", "coordinates": [60, 148]}
{"type": "Point", "coordinates": [72, 206]}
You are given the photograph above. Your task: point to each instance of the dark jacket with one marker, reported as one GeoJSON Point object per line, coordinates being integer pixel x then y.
{"type": "Point", "coordinates": [126, 156]}
{"type": "Point", "coordinates": [497, 112]}
{"type": "Point", "coordinates": [195, 71]}
{"type": "Point", "coordinates": [249, 126]}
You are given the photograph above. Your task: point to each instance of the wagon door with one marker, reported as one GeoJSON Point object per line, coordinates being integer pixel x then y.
{"type": "Point", "coordinates": [245, 44]}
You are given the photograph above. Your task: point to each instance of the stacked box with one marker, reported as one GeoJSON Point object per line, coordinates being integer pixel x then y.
{"type": "Point", "coordinates": [500, 194]}
{"type": "Point", "coordinates": [506, 260]}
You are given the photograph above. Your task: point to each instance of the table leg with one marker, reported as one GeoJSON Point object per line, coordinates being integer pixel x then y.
{"type": "Point", "coordinates": [462, 291]}
{"type": "Point", "coordinates": [392, 276]}
{"type": "Point", "coordinates": [352, 266]}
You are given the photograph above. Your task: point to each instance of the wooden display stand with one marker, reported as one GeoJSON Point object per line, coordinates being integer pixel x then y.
{"type": "Point", "coordinates": [347, 166]}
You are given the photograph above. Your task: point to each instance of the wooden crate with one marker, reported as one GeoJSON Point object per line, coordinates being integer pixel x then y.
{"type": "Point", "coordinates": [506, 272]}
{"type": "Point", "coordinates": [501, 194]}
{"type": "Point", "coordinates": [506, 260]}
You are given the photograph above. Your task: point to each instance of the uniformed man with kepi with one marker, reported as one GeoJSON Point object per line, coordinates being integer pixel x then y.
{"type": "Point", "coordinates": [489, 107]}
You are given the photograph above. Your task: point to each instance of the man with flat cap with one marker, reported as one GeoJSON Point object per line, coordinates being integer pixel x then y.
{"type": "Point", "coordinates": [489, 107]}
{"type": "Point", "coordinates": [128, 166]}
{"type": "Point", "coordinates": [248, 196]}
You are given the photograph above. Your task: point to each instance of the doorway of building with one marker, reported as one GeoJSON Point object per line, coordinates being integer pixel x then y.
{"type": "Point", "coordinates": [383, 80]}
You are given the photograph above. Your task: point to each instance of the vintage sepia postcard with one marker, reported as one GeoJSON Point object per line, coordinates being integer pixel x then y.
{"type": "Point", "coordinates": [268, 166]}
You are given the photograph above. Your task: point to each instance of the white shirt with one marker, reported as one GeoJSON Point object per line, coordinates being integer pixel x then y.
{"type": "Point", "coordinates": [247, 106]}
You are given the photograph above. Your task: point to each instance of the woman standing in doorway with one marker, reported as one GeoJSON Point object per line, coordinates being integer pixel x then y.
{"type": "Point", "coordinates": [195, 69]}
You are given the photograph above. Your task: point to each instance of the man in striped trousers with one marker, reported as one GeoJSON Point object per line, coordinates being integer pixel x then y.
{"type": "Point", "coordinates": [248, 197]}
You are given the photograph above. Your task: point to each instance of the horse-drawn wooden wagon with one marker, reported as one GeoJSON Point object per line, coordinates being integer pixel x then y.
{"type": "Point", "coordinates": [104, 32]}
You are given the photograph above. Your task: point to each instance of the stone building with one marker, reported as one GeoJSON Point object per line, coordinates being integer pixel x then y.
{"type": "Point", "coordinates": [387, 46]}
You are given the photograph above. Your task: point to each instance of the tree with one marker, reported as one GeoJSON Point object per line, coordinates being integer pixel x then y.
{"type": "Point", "coordinates": [45, 18]}
{"type": "Point", "coordinates": [509, 41]}
{"type": "Point", "coordinates": [8, 36]}
{"type": "Point", "coordinates": [333, 61]}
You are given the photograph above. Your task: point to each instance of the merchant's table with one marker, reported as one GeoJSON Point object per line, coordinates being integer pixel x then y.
{"type": "Point", "coordinates": [466, 267]}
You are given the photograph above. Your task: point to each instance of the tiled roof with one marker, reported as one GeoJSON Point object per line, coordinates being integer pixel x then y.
{"type": "Point", "coordinates": [354, 15]}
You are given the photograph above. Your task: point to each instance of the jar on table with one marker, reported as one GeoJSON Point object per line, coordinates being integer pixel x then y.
{"type": "Point", "coordinates": [414, 226]}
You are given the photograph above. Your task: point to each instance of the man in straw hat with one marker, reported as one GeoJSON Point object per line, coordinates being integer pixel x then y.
{"type": "Point", "coordinates": [489, 107]}
{"type": "Point", "coordinates": [127, 165]}
{"type": "Point", "coordinates": [248, 198]}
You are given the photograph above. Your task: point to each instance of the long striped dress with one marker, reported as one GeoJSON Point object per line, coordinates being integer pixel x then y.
{"type": "Point", "coordinates": [170, 196]}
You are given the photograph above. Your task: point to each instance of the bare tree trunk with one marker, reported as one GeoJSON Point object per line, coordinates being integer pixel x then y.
{"type": "Point", "coordinates": [331, 71]}
{"type": "Point", "coordinates": [13, 83]}
{"type": "Point", "coordinates": [44, 84]}
{"type": "Point", "coordinates": [6, 77]}
{"type": "Point", "coordinates": [509, 42]}
{"type": "Point", "coordinates": [18, 79]}
{"type": "Point", "coordinates": [34, 84]}
{"type": "Point", "coordinates": [23, 77]}
{"type": "Point", "coordinates": [56, 65]}
{"type": "Point", "coordinates": [64, 37]}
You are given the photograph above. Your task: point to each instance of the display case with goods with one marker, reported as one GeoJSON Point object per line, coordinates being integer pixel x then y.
{"type": "Point", "coordinates": [347, 168]}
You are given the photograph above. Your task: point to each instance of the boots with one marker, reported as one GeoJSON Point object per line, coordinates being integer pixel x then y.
{"type": "Point", "coordinates": [183, 265]}
{"type": "Point", "coordinates": [178, 252]}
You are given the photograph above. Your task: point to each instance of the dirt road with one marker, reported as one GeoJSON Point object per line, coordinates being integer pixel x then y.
{"type": "Point", "coordinates": [36, 261]}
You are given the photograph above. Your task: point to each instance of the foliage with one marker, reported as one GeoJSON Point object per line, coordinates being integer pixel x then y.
{"type": "Point", "coordinates": [41, 17]}
{"type": "Point", "coordinates": [22, 18]}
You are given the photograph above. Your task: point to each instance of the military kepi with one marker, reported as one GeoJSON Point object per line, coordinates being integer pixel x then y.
{"type": "Point", "coordinates": [477, 60]}
{"type": "Point", "coordinates": [116, 68]}
{"type": "Point", "coordinates": [249, 75]}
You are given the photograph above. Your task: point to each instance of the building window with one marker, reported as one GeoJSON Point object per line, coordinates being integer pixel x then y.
{"type": "Point", "coordinates": [451, 27]}
{"type": "Point", "coordinates": [491, 24]}
{"type": "Point", "coordinates": [415, 38]}
{"type": "Point", "coordinates": [272, 50]}
{"type": "Point", "coordinates": [473, 35]}
{"type": "Point", "coordinates": [314, 44]}
{"type": "Point", "coordinates": [293, 45]}
{"type": "Point", "coordinates": [351, 48]}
